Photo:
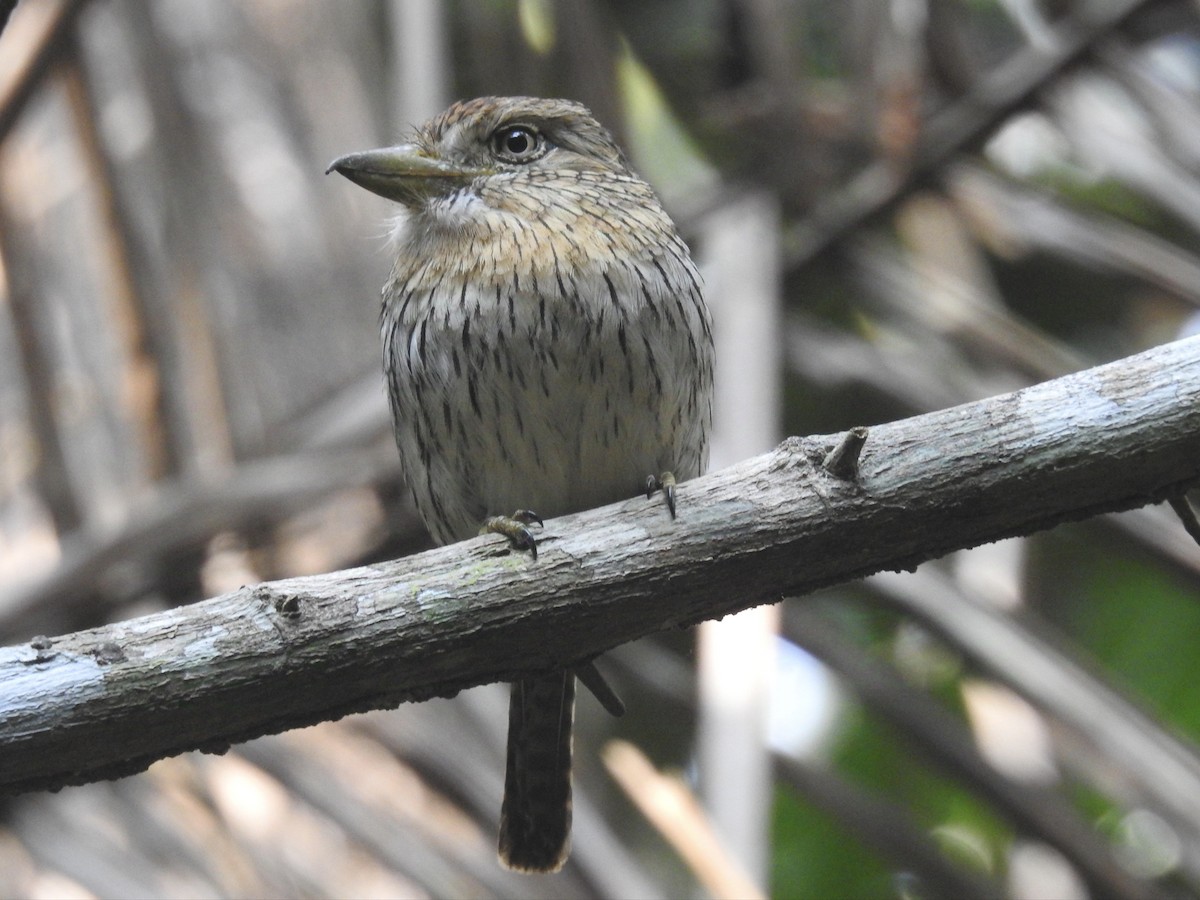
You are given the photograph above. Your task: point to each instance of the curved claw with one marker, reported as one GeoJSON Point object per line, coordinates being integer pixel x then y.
{"type": "Point", "coordinates": [515, 528]}
{"type": "Point", "coordinates": [666, 483]}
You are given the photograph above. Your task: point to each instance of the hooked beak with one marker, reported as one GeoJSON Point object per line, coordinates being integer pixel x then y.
{"type": "Point", "coordinates": [405, 173]}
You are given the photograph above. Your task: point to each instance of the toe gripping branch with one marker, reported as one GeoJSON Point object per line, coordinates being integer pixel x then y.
{"type": "Point", "coordinates": [516, 529]}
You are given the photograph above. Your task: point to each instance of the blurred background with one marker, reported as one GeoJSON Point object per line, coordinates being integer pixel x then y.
{"type": "Point", "coordinates": [899, 205]}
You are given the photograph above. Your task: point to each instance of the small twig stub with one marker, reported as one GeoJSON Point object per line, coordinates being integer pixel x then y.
{"type": "Point", "coordinates": [842, 460]}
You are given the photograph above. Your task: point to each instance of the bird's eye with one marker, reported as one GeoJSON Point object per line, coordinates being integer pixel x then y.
{"type": "Point", "coordinates": [518, 143]}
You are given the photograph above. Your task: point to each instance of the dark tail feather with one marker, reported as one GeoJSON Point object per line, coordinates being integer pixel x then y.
{"type": "Point", "coordinates": [535, 819]}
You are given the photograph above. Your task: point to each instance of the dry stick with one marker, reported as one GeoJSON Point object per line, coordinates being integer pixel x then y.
{"type": "Point", "coordinates": [57, 20]}
{"type": "Point", "coordinates": [110, 700]}
{"type": "Point", "coordinates": [27, 308]}
{"type": "Point", "coordinates": [143, 335]}
{"type": "Point", "coordinates": [674, 811]}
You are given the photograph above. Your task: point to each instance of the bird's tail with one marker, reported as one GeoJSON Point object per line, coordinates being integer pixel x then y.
{"type": "Point", "coordinates": [535, 819]}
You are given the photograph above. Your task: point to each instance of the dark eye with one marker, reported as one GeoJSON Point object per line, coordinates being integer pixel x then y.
{"type": "Point", "coordinates": [517, 143]}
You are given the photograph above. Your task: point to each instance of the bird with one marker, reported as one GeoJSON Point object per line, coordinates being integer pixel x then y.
{"type": "Point", "coordinates": [547, 349]}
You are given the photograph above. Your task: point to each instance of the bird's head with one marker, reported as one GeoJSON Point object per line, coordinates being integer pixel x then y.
{"type": "Point", "coordinates": [502, 140]}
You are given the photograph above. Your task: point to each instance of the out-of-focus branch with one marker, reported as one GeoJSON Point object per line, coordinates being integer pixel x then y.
{"type": "Point", "coordinates": [956, 128]}
{"type": "Point", "coordinates": [1153, 764]}
{"type": "Point", "coordinates": [36, 357]}
{"type": "Point", "coordinates": [886, 827]}
{"type": "Point", "coordinates": [184, 515]}
{"type": "Point", "coordinates": [946, 741]}
{"type": "Point", "coordinates": [47, 39]}
{"type": "Point", "coordinates": [674, 810]}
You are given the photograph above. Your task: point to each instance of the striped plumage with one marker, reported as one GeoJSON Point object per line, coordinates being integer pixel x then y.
{"type": "Point", "coordinates": [546, 346]}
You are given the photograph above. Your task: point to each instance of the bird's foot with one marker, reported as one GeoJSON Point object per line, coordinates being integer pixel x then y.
{"type": "Point", "coordinates": [666, 483]}
{"type": "Point", "coordinates": [516, 529]}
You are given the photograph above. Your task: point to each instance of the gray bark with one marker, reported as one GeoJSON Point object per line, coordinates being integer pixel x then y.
{"type": "Point", "coordinates": [109, 701]}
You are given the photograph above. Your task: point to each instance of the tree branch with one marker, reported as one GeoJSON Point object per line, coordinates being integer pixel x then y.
{"type": "Point", "coordinates": [111, 700]}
